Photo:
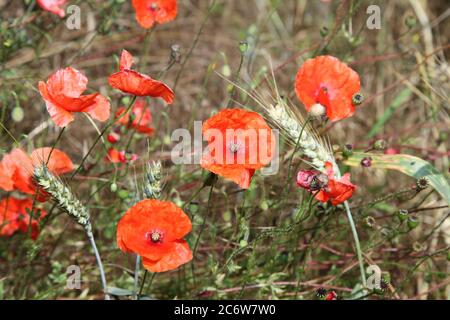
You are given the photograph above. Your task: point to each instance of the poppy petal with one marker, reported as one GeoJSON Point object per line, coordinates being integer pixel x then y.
{"type": "Point", "coordinates": [126, 60]}
{"type": "Point", "coordinates": [58, 163]}
{"type": "Point", "coordinates": [60, 116]}
{"type": "Point", "coordinates": [181, 254]}
{"type": "Point", "coordinates": [53, 6]}
{"type": "Point", "coordinates": [101, 109]}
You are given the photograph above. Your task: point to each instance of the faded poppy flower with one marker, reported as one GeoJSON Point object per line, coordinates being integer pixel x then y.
{"type": "Point", "coordinates": [116, 156]}
{"type": "Point", "coordinates": [149, 12]}
{"type": "Point", "coordinates": [18, 168]}
{"type": "Point", "coordinates": [327, 83]}
{"type": "Point", "coordinates": [154, 230]}
{"type": "Point", "coordinates": [140, 118]}
{"type": "Point", "coordinates": [14, 217]}
{"type": "Point", "coordinates": [138, 84]}
{"type": "Point", "coordinates": [239, 142]}
{"type": "Point", "coordinates": [327, 187]}
{"type": "Point", "coordinates": [53, 6]}
{"type": "Point", "coordinates": [62, 96]}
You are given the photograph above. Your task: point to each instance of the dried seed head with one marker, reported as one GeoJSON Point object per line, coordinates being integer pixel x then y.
{"type": "Point", "coordinates": [370, 221]}
{"type": "Point", "coordinates": [321, 293]}
{"type": "Point", "coordinates": [62, 196]}
{"type": "Point", "coordinates": [357, 98]}
{"type": "Point", "coordinates": [422, 183]}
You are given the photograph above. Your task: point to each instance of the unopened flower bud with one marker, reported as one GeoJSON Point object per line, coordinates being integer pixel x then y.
{"type": "Point", "coordinates": [113, 187]}
{"type": "Point", "coordinates": [317, 110]}
{"type": "Point", "coordinates": [243, 46]}
{"type": "Point", "coordinates": [366, 162]}
{"type": "Point", "coordinates": [380, 144]}
{"type": "Point", "coordinates": [347, 150]}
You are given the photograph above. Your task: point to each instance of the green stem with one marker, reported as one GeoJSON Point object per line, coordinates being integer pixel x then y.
{"type": "Point", "coordinates": [136, 277]}
{"type": "Point", "coordinates": [99, 263]}
{"type": "Point", "coordinates": [357, 245]}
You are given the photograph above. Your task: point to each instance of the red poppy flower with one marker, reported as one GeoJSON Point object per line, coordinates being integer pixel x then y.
{"type": "Point", "coordinates": [116, 156]}
{"type": "Point", "coordinates": [149, 12]}
{"type": "Point", "coordinates": [62, 95]}
{"type": "Point", "coordinates": [154, 230]}
{"type": "Point", "coordinates": [328, 188]}
{"type": "Point", "coordinates": [53, 6]}
{"type": "Point", "coordinates": [239, 142]}
{"type": "Point", "coordinates": [14, 217]}
{"type": "Point", "coordinates": [18, 168]}
{"type": "Point", "coordinates": [327, 82]}
{"type": "Point", "coordinates": [140, 118]}
{"type": "Point", "coordinates": [136, 83]}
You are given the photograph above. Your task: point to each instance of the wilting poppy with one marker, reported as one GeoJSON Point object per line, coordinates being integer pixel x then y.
{"type": "Point", "coordinates": [140, 118]}
{"type": "Point", "coordinates": [16, 168]}
{"type": "Point", "coordinates": [239, 142]}
{"type": "Point", "coordinates": [327, 83]}
{"type": "Point", "coordinates": [116, 156]}
{"type": "Point", "coordinates": [327, 187]}
{"type": "Point", "coordinates": [154, 230]}
{"type": "Point", "coordinates": [62, 96]}
{"type": "Point", "coordinates": [149, 12]}
{"type": "Point", "coordinates": [53, 6]}
{"type": "Point", "coordinates": [138, 84]}
{"type": "Point", "coordinates": [14, 217]}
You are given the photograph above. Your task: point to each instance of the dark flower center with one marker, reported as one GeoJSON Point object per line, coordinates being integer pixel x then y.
{"type": "Point", "coordinates": [154, 7]}
{"type": "Point", "coordinates": [155, 236]}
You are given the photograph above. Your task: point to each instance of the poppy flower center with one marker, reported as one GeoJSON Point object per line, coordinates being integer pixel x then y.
{"type": "Point", "coordinates": [153, 7]}
{"type": "Point", "coordinates": [154, 236]}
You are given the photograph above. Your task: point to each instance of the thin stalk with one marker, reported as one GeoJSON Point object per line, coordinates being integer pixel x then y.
{"type": "Point", "coordinates": [194, 43]}
{"type": "Point", "coordinates": [100, 265]}
{"type": "Point", "coordinates": [136, 277]}
{"type": "Point", "coordinates": [357, 245]}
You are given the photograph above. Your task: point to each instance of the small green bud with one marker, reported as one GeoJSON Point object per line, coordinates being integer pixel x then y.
{"type": "Point", "coordinates": [347, 150]}
{"type": "Point", "coordinates": [324, 31]}
{"type": "Point", "coordinates": [380, 144]}
{"type": "Point", "coordinates": [402, 214]}
{"type": "Point", "coordinates": [243, 46]}
{"type": "Point", "coordinates": [113, 187]}
{"type": "Point", "coordinates": [412, 222]}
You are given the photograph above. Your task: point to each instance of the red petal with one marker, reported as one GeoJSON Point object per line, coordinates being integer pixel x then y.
{"type": "Point", "coordinates": [126, 60]}
{"type": "Point", "coordinates": [179, 255]}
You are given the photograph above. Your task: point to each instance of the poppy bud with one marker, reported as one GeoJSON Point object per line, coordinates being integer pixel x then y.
{"type": "Point", "coordinates": [412, 222]}
{"type": "Point", "coordinates": [324, 31]}
{"type": "Point", "coordinates": [357, 98]}
{"type": "Point", "coordinates": [380, 144]}
{"type": "Point", "coordinates": [317, 110]}
{"type": "Point", "coordinates": [366, 162]}
{"type": "Point", "coordinates": [243, 46]}
{"type": "Point", "coordinates": [402, 214]}
{"type": "Point", "coordinates": [422, 183]}
{"type": "Point", "coordinates": [347, 151]}
{"type": "Point", "coordinates": [113, 137]}
{"type": "Point", "coordinates": [211, 179]}
{"type": "Point", "coordinates": [113, 187]}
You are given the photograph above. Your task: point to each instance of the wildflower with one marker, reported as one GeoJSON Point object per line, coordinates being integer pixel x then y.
{"type": "Point", "coordinates": [18, 168]}
{"type": "Point", "coordinates": [116, 156]}
{"type": "Point", "coordinates": [331, 296]}
{"type": "Point", "coordinates": [239, 142]}
{"type": "Point", "coordinates": [327, 81]}
{"type": "Point", "coordinates": [53, 6]}
{"type": "Point", "coordinates": [154, 230]}
{"type": "Point", "coordinates": [149, 12]}
{"type": "Point", "coordinates": [140, 118]}
{"type": "Point", "coordinates": [14, 217]}
{"type": "Point", "coordinates": [138, 84]}
{"type": "Point", "coordinates": [113, 137]}
{"type": "Point", "coordinates": [328, 188]}
{"type": "Point", "coordinates": [63, 97]}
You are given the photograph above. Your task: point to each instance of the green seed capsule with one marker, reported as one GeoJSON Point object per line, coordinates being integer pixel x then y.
{"type": "Point", "coordinates": [412, 222]}
{"type": "Point", "coordinates": [113, 187]}
{"type": "Point", "coordinates": [402, 214]}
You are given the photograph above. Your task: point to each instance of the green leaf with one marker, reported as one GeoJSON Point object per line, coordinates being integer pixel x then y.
{"type": "Point", "coordinates": [401, 98]}
{"type": "Point", "coordinates": [118, 292]}
{"type": "Point", "coordinates": [410, 165]}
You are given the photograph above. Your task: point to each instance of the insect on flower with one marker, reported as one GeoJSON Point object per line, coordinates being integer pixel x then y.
{"type": "Point", "coordinates": [140, 118]}
{"type": "Point", "coordinates": [14, 217]}
{"type": "Point", "coordinates": [63, 97]}
{"type": "Point", "coordinates": [149, 12]}
{"type": "Point", "coordinates": [16, 168]}
{"type": "Point", "coordinates": [53, 6]}
{"type": "Point", "coordinates": [239, 142]}
{"type": "Point", "coordinates": [325, 82]}
{"type": "Point", "coordinates": [154, 230]}
{"type": "Point", "coordinates": [138, 84]}
{"type": "Point", "coordinates": [327, 188]}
